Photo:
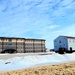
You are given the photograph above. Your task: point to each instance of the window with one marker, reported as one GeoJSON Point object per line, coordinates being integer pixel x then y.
{"type": "Point", "coordinates": [59, 41]}
{"type": "Point", "coordinates": [73, 40]}
{"type": "Point", "coordinates": [21, 39]}
{"type": "Point", "coordinates": [9, 40]}
{"type": "Point", "coordinates": [9, 43]}
{"type": "Point", "coordinates": [69, 40]}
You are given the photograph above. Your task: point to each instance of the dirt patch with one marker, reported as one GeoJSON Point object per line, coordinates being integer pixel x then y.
{"type": "Point", "coordinates": [61, 69]}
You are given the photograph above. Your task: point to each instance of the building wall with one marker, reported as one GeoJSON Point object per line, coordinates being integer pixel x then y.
{"type": "Point", "coordinates": [29, 45]}
{"type": "Point", "coordinates": [22, 45]}
{"type": "Point", "coordinates": [6, 44]}
{"type": "Point", "coordinates": [60, 42]}
{"type": "Point", "coordinates": [71, 44]}
{"type": "Point", "coordinates": [34, 46]}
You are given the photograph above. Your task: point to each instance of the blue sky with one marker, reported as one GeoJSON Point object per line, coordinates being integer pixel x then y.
{"type": "Point", "coordinates": [41, 19]}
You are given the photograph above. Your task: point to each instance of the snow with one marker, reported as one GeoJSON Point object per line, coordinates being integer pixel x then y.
{"type": "Point", "coordinates": [27, 61]}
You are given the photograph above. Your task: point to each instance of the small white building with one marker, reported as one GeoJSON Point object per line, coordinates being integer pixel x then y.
{"type": "Point", "coordinates": [66, 42]}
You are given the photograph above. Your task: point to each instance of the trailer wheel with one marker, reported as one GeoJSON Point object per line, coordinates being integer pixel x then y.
{"type": "Point", "coordinates": [56, 51]}
{"type": "Point", "coordinates": [61, 51]}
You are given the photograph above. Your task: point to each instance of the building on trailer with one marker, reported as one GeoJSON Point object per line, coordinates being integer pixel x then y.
{"type": "Point", "coordinates": [21, 45]}
{"type": "Point", "coordinates": [66, 43]}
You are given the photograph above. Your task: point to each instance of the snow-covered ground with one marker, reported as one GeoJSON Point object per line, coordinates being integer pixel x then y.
{"type": "Point", "coordinates": [31, 60]}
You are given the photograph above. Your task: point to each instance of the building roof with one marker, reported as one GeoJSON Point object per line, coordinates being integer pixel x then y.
{"type": "Point", "coordinates": [20, 38]}
{"type": "Point", "coordinates": [69, 37]}
{"type": "Point", "coordinates": [35, 39]}
{"type": "Point", "coordinates": [11, 38]}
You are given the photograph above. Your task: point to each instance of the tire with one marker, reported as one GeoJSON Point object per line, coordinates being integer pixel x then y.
{"type": "Point", "coordinates": [61, 51]}
{"type": "Point", "coordinates": [56, 51]}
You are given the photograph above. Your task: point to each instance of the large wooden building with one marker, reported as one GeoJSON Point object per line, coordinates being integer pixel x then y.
{"type": "Point", "coordinates": [21, 45]}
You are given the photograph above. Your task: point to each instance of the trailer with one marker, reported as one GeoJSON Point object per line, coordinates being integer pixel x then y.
{"type": "Point", "coordinates": [64, 44]}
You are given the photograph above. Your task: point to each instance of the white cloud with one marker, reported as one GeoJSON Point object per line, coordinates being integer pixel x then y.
{"type": "Point", "coordinates": [69, 30]}
{"type": "Point", "coordinates": [53, 26]}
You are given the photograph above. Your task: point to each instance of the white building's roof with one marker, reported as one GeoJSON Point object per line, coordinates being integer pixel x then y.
{"type": "Point", "coordinates": [69, 37]}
